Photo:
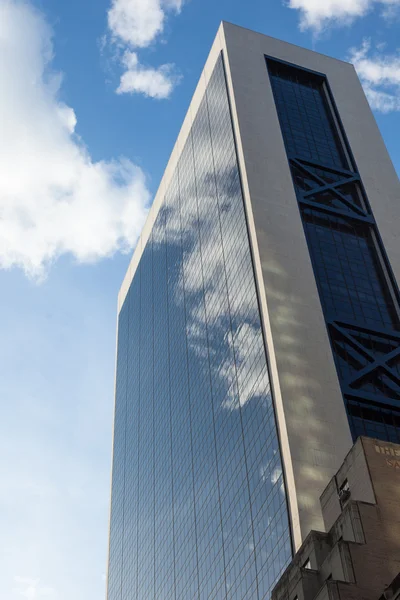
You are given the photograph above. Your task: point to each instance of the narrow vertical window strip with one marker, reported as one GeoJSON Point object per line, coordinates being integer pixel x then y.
{"type": "Point", "coordinates": [348, 261]}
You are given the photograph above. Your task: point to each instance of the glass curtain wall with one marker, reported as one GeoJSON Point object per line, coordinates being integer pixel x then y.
{"type": "Point", "coordinates": [198, 496]}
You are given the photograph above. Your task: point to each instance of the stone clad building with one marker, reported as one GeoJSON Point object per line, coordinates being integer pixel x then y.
{"type": "Point", "coordinates": [359, 557]}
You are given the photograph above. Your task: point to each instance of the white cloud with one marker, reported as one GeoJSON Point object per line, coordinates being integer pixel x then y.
{"type": "Point", "coordinates": [137, 79]}
{"type": "Point", "coordinates": [54, 199]}
{"type": "Point", "coordinates": [137, 24]}
{"type": "Point", "coordinates": [276, 475]}
{"type": "Point", "coordinates": [246, 372]}
{"type": "Point", "coordinates": [380, 76]}
{"type": "Point", "coordinates": [248, 347]}
{"type": "Point", "coordinates": [316, 14]}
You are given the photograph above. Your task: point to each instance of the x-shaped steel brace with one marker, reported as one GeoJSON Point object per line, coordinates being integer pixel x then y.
{"type": "Point", "coordinates": [381, 362]}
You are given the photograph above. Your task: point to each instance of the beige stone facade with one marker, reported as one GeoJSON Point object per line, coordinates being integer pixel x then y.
{"type": "Point", "coordinates": [359, 557]}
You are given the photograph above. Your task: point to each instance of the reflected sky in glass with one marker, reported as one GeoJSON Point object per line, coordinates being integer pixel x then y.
{"type": "Point", "coordinates": [198, 497]}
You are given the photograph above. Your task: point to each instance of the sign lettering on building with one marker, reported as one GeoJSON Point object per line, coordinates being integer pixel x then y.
{"type": "Point", "coordinates": [392, 454]}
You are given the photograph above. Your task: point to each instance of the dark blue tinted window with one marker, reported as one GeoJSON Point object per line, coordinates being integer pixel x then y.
{"type": "Point", "coordinates": [373, 421]}
{"type": "Point", "coordinates": [304, 115]}
{"type": "Point", "coordinates": [198, 499]}
{"type": "Point", "coordinates": [350, 278]}
{"type": "Point", "coordinates": [359, 301]}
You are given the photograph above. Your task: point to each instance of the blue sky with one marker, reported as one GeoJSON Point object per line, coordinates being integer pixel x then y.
{"type": "Point", "coordinates": [92, 95]}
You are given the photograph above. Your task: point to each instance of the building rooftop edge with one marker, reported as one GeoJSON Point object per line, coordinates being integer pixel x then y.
{"type": "Point", "coordinates": [271, 37]}
{"type": "Point", "coordinates": [220, 43]}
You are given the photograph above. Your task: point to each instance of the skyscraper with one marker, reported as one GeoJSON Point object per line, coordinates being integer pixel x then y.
{"type": "Point", "coordinates": [258, 329]}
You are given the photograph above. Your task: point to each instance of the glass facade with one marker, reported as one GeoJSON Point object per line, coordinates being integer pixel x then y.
{"type": "Point", "coordinates": [358, 296]}
{"type": "Point", "coordinates": [198, 496]}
